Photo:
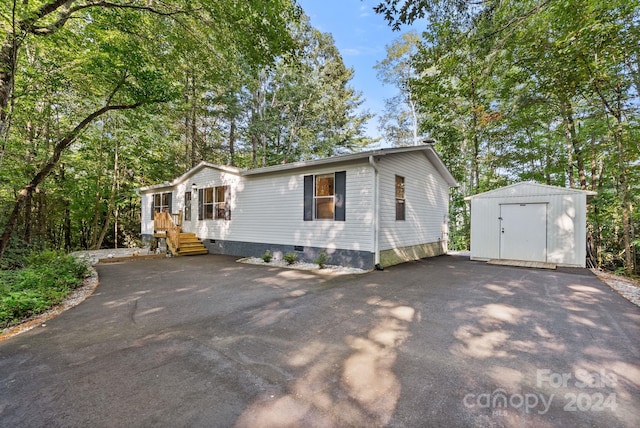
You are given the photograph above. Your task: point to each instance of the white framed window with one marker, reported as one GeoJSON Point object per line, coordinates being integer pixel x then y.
{"type": "Point", "coordinates": [187, 206]}
{"type": "Point", "coordinates": [400, 198]}
{"type": "Point", "coordinates": [223, 210]}
{"type": "Point", "coordinates": [324, 196]}
{"type": "Point", "coordinates": [214, 203]}
{"type": "Point", "coordinates": [162, 202]}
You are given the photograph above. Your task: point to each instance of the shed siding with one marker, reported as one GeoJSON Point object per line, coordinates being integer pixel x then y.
{"type": "Point", "coordinates": [427, 198]}
{"type": "Point", "coordinates": [566, 222]}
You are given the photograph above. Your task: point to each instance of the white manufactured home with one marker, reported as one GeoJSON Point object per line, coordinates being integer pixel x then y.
{"type": "Point", "coordinates": [530, 222]}
{"type": "Point", "coordinates": [377, 207]}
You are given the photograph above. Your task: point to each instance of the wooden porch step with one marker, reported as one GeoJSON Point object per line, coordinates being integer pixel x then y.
{"type": "Point", "coordinates": [190, 245]}
{"type": "Point", "coordinates": [193, 252]}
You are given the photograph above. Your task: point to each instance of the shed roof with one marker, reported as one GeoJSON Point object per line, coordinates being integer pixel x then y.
{"type": "Point", "coordinates": [529, 188]}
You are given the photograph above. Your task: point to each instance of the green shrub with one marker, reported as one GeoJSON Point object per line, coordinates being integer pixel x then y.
{"type": "Point", "coordinates": [322, 259]}
{"type": "Point", "coordinates": [266, 257]}
{"type": "Point", "coordinates": [14, 256]}
{"type": "Point", "coordinates": [54, 269]}
{"type": "Point", "coordinates": [22, 304]}
{"type": "Point", "coordinates": [290, 258]}
{"type": "Point", "coordinates": [45, 281]}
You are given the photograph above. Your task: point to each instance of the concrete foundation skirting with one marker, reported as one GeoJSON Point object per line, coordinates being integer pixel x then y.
{"type": "Point", "coordinates": [350, 258]}
{"type": "Point", "coordinates": [396, 256]}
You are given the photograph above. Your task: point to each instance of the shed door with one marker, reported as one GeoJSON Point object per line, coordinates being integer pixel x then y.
{"type": "Point", "coordinates": [523, 232]}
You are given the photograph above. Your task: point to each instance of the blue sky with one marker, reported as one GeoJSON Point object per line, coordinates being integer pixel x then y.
{"type": "Point", "coordinates": [361, 36]}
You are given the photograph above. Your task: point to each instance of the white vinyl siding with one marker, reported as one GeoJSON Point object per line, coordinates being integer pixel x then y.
{"type": "Point", "coordinates": [270, 209]}
{"type": "Point", "coordinates": [426, 202]}
{"type": "Point", "coordinates": [205, 178]}
{"type": "Point", "coordinates": [147, 201]}
{"type": "Point", "coordinates": [146, 221]}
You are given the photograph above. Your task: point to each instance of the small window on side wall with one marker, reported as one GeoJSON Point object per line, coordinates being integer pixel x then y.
{"type": "Point", "coordinates": [400, 198]}
{"type": "Point", "coordinates": [324, 196]}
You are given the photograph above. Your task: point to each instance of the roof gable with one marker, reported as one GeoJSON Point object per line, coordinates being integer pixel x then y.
{"type": "Point", "coordinates": [426, 149]}
{"type": "Point", "coordinates": [202, 165]}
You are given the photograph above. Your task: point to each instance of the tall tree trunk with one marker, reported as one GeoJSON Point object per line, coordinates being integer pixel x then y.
{"type": "Point", "coordinates": [254, 150]}
{"type": "Point", "coordinates": [187, 127]}
{"type": "Point", "coordinates": [67, 226]}
{"type": "Point", "coordinates": [194, 128]}
{"type": "Point", "coordinates": [232, 142]}
{"type": "Point", "coordinates": [615, 109]}
{"type": "Point", "coordinates": [573, 145]}
{"type": "Point", "coordinates": [28, 210]}
{"type": "Point", "coordinates": [112, 198]}
{"type": "Point", "coordinates": [8, 61]}
{"type": "Point", "coordinates": [96, 215]}
{"type": "Point", "coordinates": [475, 168]}
{"type": "Point", "coordinates": [60, 146]}
{"type": "Point", "coordinates": [625, 200]}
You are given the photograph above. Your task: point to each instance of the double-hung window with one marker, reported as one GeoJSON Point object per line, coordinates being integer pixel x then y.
{"type": "Point", "coordinates": [324, 196]}
{"type": "Point", "coordinates": [214, 203]}
{"type": "Point", "coordinates": [161, 203]}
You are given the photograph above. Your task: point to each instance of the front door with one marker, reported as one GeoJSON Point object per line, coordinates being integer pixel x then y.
{"type": "Point", "coordinates": [523, 232]}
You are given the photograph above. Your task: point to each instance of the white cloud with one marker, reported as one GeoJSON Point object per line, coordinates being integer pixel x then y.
{"type": "Point", "coordinates": [351, 52]}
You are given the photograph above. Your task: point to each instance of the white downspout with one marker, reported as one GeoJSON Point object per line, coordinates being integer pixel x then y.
{"type": "Point", "coordinates": [376, 211]}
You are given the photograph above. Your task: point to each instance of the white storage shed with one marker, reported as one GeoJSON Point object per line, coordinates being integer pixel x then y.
{"type": "Point", "coordinates": [530, 222]}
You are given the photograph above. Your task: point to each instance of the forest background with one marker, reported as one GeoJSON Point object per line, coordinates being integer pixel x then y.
{"type": "Point", "coordinates": [98, 98]}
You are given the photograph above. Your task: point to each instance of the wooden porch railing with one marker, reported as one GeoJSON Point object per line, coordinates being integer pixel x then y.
{"type": "Point", "coordinates": [168, 225]}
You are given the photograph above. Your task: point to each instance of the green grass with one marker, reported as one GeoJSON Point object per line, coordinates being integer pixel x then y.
{"type": "Point", "coordinates": [45, 280]}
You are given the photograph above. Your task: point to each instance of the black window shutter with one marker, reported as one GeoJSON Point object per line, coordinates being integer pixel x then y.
{"type": "Point", "coordinates": [170, 201]}
{"type": "Point", "coordinates": [153, 206]}
{"type": "Point", "coordinates": [308, 197]}
{"type": "Point", "coordinates": [200, 202]}
{"type": "Point", "coordinates": [340, 195]}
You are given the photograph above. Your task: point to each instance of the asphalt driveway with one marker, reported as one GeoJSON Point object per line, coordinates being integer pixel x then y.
{"type": "Point", "coordinates": [205, 341]}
